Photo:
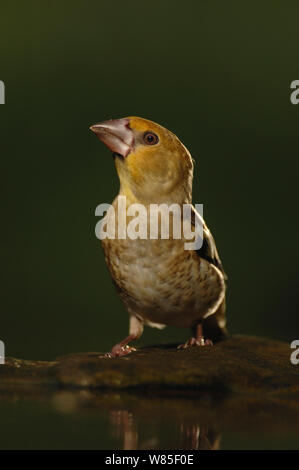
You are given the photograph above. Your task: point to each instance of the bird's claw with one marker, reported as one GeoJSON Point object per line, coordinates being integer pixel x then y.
{"type": "Point", "coordinates": [195, 342]}
{"type": "Point", "coordinates": [119, 351]}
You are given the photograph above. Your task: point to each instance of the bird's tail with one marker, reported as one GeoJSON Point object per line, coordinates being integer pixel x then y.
{"type": "Point", "coordinates": [214, 326]}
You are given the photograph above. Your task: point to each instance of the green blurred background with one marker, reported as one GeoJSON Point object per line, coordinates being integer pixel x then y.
{"type": "Point", "coordinates": [218, 75]}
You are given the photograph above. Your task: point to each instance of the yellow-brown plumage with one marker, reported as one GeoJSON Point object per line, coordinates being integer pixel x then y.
{"type": "Point", "coordinates": [160, 282]}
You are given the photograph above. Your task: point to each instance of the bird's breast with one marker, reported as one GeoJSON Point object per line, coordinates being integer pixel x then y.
{"type": "Point", "coordinates": [161, 282]}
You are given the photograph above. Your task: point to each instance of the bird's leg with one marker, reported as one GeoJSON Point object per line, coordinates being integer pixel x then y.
{"type": "Point", "coordinates": [197, 339]}
{"type": "Point", "coordinates": [135, 331]}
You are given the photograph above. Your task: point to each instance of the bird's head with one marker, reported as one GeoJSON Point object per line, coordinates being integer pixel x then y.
{"type": "Point", "coordinates": [152, 164]}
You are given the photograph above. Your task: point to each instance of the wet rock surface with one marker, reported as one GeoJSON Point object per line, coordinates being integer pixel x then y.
{"type": "Point", "coordinates": [238, 364]}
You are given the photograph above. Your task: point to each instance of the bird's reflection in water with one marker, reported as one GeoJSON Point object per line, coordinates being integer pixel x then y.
{"type": "Point", "coordinates": [195, 437]}
{"type": "Point", "coordinates": [143, 423]}
{"type": "Point", "coordinates": [186, 437]}
{"type": "Point", "coordinates": [123, 427]}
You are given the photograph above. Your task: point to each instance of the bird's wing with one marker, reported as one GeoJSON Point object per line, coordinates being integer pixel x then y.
{"type": "Point", "coordinates": [208, 250]}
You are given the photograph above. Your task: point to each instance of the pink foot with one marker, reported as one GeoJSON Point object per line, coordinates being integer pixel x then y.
{"type": "Point", "coordinates": [122, 348]}
{"type": "Point", "coordinates": [118, 351]}
{"type": "Point", "coordinates": [200, 341]}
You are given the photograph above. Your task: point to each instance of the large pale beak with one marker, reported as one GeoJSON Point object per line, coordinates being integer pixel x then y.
{"type": "Point", "coordinates": [116, 135]}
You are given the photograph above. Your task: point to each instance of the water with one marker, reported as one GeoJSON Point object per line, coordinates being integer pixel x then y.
{"type": "Point", "coordinates": [66, 419]}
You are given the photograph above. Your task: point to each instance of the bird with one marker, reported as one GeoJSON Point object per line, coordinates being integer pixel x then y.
{"type": "Point", "coordinates": [159, 281]}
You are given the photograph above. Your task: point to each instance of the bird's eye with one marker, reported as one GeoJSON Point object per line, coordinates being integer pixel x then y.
{"type": "Point", "coordinates": [150, 138]}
